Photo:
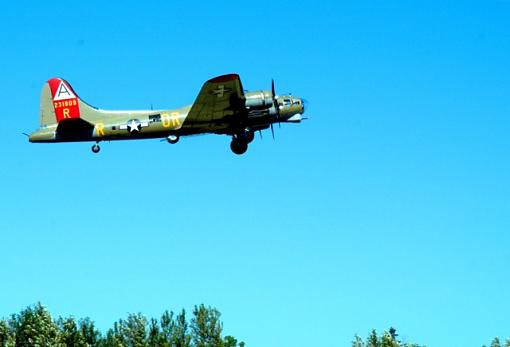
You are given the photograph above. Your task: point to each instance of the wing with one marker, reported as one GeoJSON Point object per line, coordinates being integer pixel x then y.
{"type": "Point", "coordinates": [218, 106]}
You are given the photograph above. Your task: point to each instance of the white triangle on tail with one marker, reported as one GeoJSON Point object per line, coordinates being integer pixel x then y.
{"type": "Point", "coordinates": [63, 92]}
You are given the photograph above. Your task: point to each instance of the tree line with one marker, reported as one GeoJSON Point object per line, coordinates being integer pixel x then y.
{"type": "Point", "coordinates": [390, 339]}
{"type": "Point", "coordinates": [35, 327]}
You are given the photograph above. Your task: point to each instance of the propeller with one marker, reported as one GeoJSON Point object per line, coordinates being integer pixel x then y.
{"type": "Point", "coordinates": [275, 102]}
{"type": "Point", "coordinates": [306, 104]}
{"type": "Point", "coordinates": [276, 107]}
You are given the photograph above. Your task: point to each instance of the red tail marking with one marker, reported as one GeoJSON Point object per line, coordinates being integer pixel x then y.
{"type": "Point", "coordinates": [65, 101]}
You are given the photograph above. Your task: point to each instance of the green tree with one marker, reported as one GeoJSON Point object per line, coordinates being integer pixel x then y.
{"type": "Point", "coordinates": [155, 336]}
{"type": "Point", "coordinates": [373, 340]}
{"type": "Point", "coordinates": [495, 342]}
{"type": "Point", "coordinates": [134, 330]}
{"type": "Point", "coordinates": [358, 342]}
{"type": "Point", "coordinates": [114, 337]}
{"type": "Point", "coordinates": [35, 327]}
{"type": "Point", "coordinates": [387, 340]}
{"type": "Point", "coordinates": [167, 327]}
{"type": "Point", "coordinates": [89, 332]}
{"type": "Point", "coordinates": [111, 339]}
{"type": "Point", "coordinates": [70, 336]}
{"type": "Point", "coordinates": [229, 341]}
{"type": "Point", "coordinates": [181, 336]}
{"type": "Point", "coordinates": [206, 327]}
{"type": "Point", "coordinates": [6, 336]}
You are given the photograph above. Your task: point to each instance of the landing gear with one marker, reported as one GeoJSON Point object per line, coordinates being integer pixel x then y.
{"type": "Point", "coordinates": [173, 139]}
{"type": "Point", "coordinates": [96, 148]}
{"type": "Point", "coordinates": [247, 135]}
{"type": "Point", "coordinates": [240, 140]}
{"type": "Point", "coordinates": [238, 146]}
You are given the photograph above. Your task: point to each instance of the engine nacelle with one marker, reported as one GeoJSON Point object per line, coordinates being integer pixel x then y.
{"type": "Point", "coordinates": [259, 100]}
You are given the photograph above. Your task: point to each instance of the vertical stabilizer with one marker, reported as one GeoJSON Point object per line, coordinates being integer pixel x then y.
{"type": "Point", "coordinates": [58, 102]}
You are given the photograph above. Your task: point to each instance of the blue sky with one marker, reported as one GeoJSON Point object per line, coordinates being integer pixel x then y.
{"type": "Point", "coordinates": [389, 207]}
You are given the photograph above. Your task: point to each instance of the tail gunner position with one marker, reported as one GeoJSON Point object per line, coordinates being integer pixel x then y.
{"type": "Point", "coordinates": [221, 107]}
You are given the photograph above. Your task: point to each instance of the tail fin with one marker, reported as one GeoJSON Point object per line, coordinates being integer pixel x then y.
{"type": "Point", "coordinates": [59, 102]}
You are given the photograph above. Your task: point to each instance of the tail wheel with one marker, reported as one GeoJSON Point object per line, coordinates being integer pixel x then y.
{"type": "Point", "coordinates": [173, 139]}
{"type": "Point", "coordinates": [96, 148]}
{"type": "Point", "coordinates": [238, 147]}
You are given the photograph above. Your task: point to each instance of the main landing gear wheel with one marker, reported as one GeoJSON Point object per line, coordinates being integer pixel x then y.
{"type": "Point", "coordinates": [96, 148]}
{"type": "Point", "coordinates": [238, 147]}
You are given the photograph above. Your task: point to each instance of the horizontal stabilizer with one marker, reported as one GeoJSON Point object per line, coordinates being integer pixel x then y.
{"type": "Point", "coordinates": [74, 129]}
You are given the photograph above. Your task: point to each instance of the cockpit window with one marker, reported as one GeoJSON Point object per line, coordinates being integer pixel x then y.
{"type": "Point", "coordinates": [286, 102]}
{"type": "Point", "coordinates": [296, 102]}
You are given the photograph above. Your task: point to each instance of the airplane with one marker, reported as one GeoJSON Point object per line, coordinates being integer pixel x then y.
{"type": "Point", "coordinates": [222, 107]}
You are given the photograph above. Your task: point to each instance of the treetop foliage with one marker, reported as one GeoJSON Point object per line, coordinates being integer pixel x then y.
{"type": "Point", "coordinates": [390, 339]}
{"type": "Point", "coordinates": [34, 327]}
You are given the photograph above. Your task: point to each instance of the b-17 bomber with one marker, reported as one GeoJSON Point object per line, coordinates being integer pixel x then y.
{"type": "Point", "coordinates": [222, 107]}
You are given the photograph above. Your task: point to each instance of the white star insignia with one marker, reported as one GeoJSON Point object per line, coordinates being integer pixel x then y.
{"type": "Point", "coordinates": [133, 126]}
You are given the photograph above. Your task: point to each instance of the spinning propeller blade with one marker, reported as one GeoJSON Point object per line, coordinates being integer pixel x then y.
{"type": "Point", "coordinates": [276, 107]}
{"type": "Point", "coordinates": [275, 102]}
